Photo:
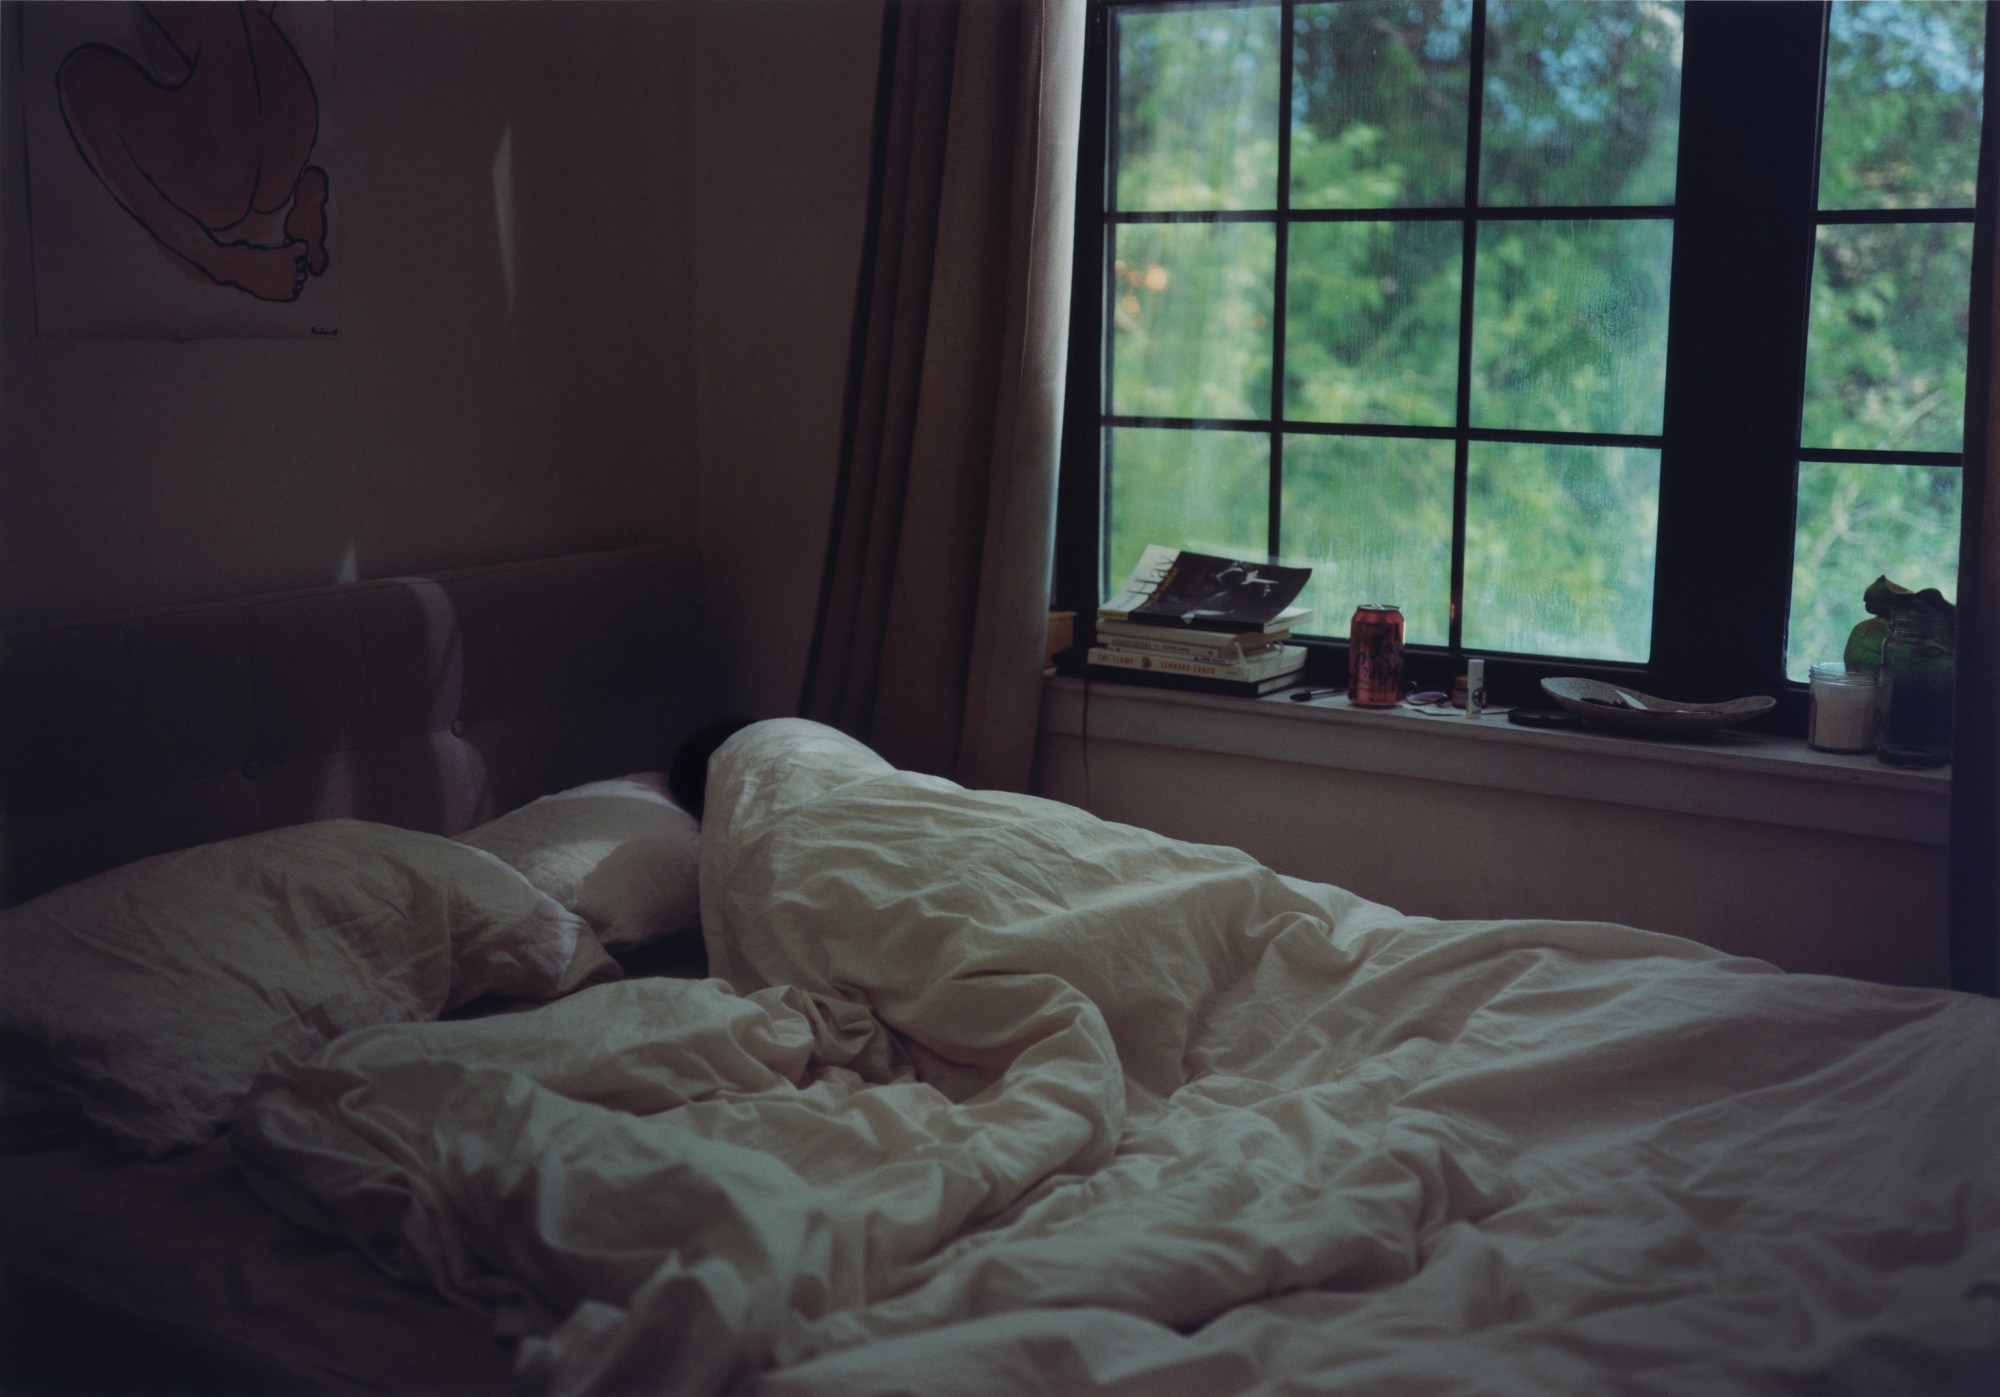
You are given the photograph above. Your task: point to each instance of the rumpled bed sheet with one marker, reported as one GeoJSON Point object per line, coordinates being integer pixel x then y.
{"type": "Point", "coordinates": [991, 1096]}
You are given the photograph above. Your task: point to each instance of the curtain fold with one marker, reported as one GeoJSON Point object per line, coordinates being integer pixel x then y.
{"type": "Point", "coordinates": [934, 604]}
{"type": "Point", "coordinates": [1975, 769]}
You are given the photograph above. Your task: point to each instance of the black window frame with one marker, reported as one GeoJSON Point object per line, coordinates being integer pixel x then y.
{"type": "Point", "coordinates": [1745, 222]}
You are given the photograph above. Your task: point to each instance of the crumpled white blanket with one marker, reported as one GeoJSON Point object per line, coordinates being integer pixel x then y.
{"type": "Point", "coordinates": [991, 1096]}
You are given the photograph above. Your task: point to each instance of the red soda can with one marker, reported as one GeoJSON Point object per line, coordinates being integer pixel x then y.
{"type": "Point", "coordinates": [1375, 656]}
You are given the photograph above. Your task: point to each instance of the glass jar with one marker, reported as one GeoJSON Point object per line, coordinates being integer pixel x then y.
{"type": "Point", "coordinates": [1916, 689]}
{"type": "Point", "coordinates": [1842, 705]}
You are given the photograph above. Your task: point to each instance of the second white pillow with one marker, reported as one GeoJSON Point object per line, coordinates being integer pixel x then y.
{"type": "Point", "coordinates": [618, 853]}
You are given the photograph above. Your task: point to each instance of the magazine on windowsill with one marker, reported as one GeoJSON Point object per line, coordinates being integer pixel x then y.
{"type": "Point", "coordinates": [1200, 591]}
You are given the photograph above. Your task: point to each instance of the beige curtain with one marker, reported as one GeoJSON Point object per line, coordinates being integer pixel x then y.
{"type": "Point", "coordinates": [934, 607]}
{"type": "Point", "coordinates": [1975, 768]}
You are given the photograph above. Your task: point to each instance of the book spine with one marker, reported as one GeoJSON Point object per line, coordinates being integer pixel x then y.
{"type": "Point", "coordinates": [1226, 653]}
{"type": "Point", "coordinates": [1160, 679]}
{"type": "Point", "coordinates": [1116, 632]}
{"type": "Point", "coordinates": [1279, 662]}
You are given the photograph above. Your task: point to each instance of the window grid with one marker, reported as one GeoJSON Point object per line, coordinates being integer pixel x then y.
{"type": "Point", "coordinates": [1280, 279]}
{"type": "Point", "coordinates": [1746, 217]}
{"type": "Point", "coordinates": [1800, 650]}
{"type": "Point", "coordinates": [1468, 214]}
{"type": "Point", "coordinates": [1468, 287]}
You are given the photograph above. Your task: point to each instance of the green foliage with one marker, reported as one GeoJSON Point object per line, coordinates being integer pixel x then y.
{"type": "Point", "coordinates": [1371, 516]}
{"type": "Point", "coordinates": [1208, 491]}
{"type": "Point", "coordinates": [1570, 325]}
{"type": "Point", "coordinates": [1582, 102]}
{"type": "Point", "coordinates": [1198, 108]}
{"type": "Point", "coordinates": [1856, 522]}
{"type": "Point", "coordinates": [1559, 549]}
{"type": "Point", "coordinates": [1581, 106]}
{"type": "Point", "coordinates": [1379, 104]}
{"type": "Point", "coordinates": [1903, 83]}
{"type": "Point", "coordinates": [1885, 367]}
{"type": "Point", "coordinates": [1372, 323]}
{"type": "Point", "coordinates": [1191, 320]}
{"type": "Point", "coordinates": [1885, 363]}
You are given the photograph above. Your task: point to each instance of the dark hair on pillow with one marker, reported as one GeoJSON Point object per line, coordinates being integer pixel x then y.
{"type": "Point", "coordinates": [687, 781]}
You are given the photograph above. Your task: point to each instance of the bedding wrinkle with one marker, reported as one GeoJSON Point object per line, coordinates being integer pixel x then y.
{"type": "Point", "coordinates": [988, 1096]}
{"type": "Point", "coordinates": [559, 1189]}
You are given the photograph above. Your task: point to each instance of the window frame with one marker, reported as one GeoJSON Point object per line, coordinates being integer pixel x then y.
{"type": "Point", "coordinates": [1745, 218]}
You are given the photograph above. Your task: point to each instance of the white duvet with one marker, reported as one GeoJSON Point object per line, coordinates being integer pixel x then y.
{"type": "Point", "coordinates": [990, 1096]}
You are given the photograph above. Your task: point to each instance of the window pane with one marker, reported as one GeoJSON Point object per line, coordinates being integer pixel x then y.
{"type": "Point", "coordinates": [1378, 103]}
{"type": "Point", "coordinates": [1857, 523]}
{"type": "Point", "coordinates": [1569, 328]}
{"type": "Point", "coordinates": [1191, 319]}
{"type": "Point", "coordinates": [1198, 109]}
{"type": "Point", "coordinates": [1559, 549]}
{"type": "Point", "coordinates": [1583, 102]}
{"type": "Point", "coordinates": [1209, 491]}
{"type": "Point", "coordinates": [1903, 87]}
{"type": "Point", "coordinates": [1885, 360]}
{"type": "Point", "coordinates": [1371, 322]}
{"type": "Point", "coordinates": [1371, 516]}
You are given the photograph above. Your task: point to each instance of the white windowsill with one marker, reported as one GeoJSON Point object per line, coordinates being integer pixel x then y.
{"type": "Point", "coordinates": [1733, 775]}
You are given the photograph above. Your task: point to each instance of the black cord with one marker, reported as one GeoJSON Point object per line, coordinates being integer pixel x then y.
{"type": "Point", "coordinates": [1087, 743]}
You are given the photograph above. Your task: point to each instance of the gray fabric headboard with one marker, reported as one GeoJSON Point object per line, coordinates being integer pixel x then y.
{"type": "Point", "coordinates": [428, 702]}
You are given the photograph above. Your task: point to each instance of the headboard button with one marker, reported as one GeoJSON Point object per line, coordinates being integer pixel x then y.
{"type": "Point", "coordinates": [251, 771]}
{"type": "Point", "coordinates": [458, 727]}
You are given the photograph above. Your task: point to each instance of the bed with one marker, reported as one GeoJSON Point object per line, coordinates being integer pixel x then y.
{"type": "Point", "coordinates": [431, 703]}
{"type": "Point", "coordinates": [968, 1092]}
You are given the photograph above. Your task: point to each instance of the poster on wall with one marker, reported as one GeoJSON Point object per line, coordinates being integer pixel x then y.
{"type": "Point", "coordinates": [181, 178]}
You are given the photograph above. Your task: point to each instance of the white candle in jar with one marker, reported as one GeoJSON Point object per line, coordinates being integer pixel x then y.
{"type": "Point", "coordinates": [1843, 707]}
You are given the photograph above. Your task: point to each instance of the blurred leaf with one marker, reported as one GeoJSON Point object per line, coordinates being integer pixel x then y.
{"type": "Point", "coordinates": [1903, 87]}
{"type": "Point", "coordinates": [1582, 103]}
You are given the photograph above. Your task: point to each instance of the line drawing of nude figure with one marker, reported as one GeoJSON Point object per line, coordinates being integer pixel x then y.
{"type": "Point", "coordinates": [212, 161]}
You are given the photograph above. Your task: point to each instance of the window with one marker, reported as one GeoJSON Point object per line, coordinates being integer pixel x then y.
{"type": "Point", "coordinates": [1879, 463]}
{"type": "Point", "coordinates": [1546, 320]}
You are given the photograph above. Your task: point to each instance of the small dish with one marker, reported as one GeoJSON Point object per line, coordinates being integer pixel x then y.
{"type": "Point", "coordinates": [1620, 709]}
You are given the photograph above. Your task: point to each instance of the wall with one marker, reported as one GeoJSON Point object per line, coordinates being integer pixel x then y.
{"type": "Point", "coordinates": [1807, 900]}
{"type": "Point", "coordinates": [784, 98]}
{"type": "Point", "coordinates": [456, 419]}
{"type": "Point", "coordinates": [689, 186]}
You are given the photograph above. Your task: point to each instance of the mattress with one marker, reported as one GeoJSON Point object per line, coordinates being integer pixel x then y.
{"type": "Point", "coordinates": [126, 1276]}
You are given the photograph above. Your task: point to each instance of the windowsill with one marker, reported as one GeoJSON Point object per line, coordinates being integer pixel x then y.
{"type": "Point", "coordinates": [1732, 775]}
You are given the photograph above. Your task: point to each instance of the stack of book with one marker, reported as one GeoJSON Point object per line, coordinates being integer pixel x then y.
{"type": "Point", "coordinates": [1196, 621]}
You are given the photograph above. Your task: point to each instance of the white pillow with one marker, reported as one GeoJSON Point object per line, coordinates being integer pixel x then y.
{"type": "Point", "coordinates": [151, 995]}
{"type": "Point", "coordinates": [619, 853]}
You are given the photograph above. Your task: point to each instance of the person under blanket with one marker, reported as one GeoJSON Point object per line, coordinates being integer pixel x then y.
{"type": "Point", "coordinates": [986, 1095]}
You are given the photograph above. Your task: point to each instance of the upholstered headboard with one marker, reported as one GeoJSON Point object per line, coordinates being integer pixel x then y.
{"type": "Point", "coordinates": [429, 702]}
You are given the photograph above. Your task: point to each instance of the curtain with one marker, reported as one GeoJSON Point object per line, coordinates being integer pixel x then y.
{"type": "Point", "coordinates": [934, 604]}
{"type": "Point", "coordinates": [1975, 768]}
